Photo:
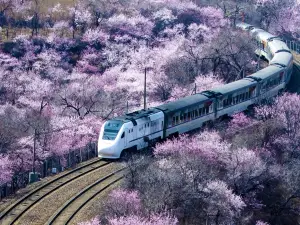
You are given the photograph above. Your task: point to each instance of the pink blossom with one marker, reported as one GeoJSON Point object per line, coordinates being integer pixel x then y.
{"type": "Point", "coordinates": [70, 133]}
{"type": "Point", "coordinates": [206, 82]}
{"type": "Point", "coordinates": [206, 145]}
{"type": "Point", "coordinates": [285, 109]}
{"type": "Point", "coordinates": [245, 163]}
{"type": "Point", "coordinates": [56, 8]}
{"type": "Point", "coordinates": [5, 168]}
{"type": "Point", "coordinates": [264, 112]}
{"type": "Point", "coordinates": [165, 15]}
{"type": "Point", "coordinates": [259, 222]}
{"type": "Point", "coordinates": [82, 16]}
{"type": "Point", "coordinates": [180, 92]}
{"type": "Point", "coordinates": [94, 221]}
{"type": "Point", "coordinates": [156, 219]}
{"type": "Point", "coordinates": [213, 17]}
{"type": "Point", "coordinates": [137, 25]}
{"type": "Point", "coordinates": [8, 62]}
{"type": "Point", "coordinates": [238, 122]}
{"type": "Point", "coordinates": [223, 199]}
{"type": "Point", "coordinates": [95, 36]}
{"type": "Point", "coordinates": [122, 202]}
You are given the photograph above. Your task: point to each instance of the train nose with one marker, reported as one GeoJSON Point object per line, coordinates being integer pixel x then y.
{"type": "Point", "coordinates": [107, 151]}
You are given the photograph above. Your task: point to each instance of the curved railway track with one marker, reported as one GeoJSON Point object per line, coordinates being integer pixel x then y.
{"type": "Point", "coordinates": [67, 212]}
{"type": "Point", "coordinates": [11, 214]}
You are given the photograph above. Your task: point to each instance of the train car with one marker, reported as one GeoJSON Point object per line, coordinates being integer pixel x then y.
{"type": "Point", "coordinates": [284, 59]}
{"type": "Point", "coordinates": [133, 130]}
{"type": "Point", "coordinates": [234, 97]}
{"type": "Point", "coordinates": [270, 81]}
{"type": "Point", "coordinates": [187, 114]}
{"type": "Point", "coordinates": [136, 130]}
{"type": "Point", "coordinates": [244, 26]}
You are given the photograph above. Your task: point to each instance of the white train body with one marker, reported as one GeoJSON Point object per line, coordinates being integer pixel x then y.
{"type": "Point", "coordinates": [119, 134]}
{"type": "Point", "coordinates": [136, 130]}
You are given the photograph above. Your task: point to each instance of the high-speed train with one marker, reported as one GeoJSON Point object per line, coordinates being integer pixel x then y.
{"type": "Point", "coordinates": [136, 130]}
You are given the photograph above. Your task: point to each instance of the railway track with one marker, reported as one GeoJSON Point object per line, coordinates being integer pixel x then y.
{"type": "Point", "coordinates": [67, 212]}
{"type": "Point", "coordinates": [11, 214]}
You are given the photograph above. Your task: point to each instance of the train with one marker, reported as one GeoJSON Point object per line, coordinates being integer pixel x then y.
{"type": "Point", "coordinates": [138, 129]}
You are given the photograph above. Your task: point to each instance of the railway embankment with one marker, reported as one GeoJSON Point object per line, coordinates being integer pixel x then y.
{"type": "Point", "coordinates": [78, 188]}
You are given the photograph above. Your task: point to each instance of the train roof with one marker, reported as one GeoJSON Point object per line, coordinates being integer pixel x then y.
{"type": "Point", "coordinates": [133, 116]}
{"type": "Point", "coordinates": [266, 72]}
{"type": "Point", "coordinates": [233, 86]}
{"type": "Point", "coordinates": [244, 26]}
{"type": "Point", "coordinates": [255, 30]}
{"type": "Point", "coordinates": [263, 35]}
{"type": "Point", "coordinates": [282, 58]}
{"type": "Point", "coordinates": [183, 103]}
{"type": "Point", "coordinates": [278, 45]}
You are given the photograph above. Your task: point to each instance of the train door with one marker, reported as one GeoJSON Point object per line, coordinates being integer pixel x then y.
{"type": "Point", "coordinates": [154, 126]}
{"type": "Point", "coordinates": [126, 137]}
{"type": "Point", "coordinates": [147, 128]}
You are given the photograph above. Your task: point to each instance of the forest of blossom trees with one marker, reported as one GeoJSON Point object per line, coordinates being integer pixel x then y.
{"type": "Point", "coordinates": [70, 68]}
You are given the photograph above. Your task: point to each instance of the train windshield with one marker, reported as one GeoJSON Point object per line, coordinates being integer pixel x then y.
{"type": "Point", "coordinates": [111, 129]}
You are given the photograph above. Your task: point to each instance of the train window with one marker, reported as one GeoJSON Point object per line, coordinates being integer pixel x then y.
{"type": "Point", "coordinates": [184, 116]}
{"type": "Point", "coordinates": [177, 119]}
{"type": "Point", "coordinates": [131, 130]}
{"type": "Point", "coordinates": [228, 101]}
{"type": "Point", "coordinates": [199, 111]}
{"type": "Point", "coordinates": [123, 135]}
{"type": "Point", "coordinates": [192, 114]}
{"type": "Point", "coordinates": [203, 111]}
{"type": "Point", "coordinates": [207, 109]}
{"type": "Point", "coordinates": [220, 104]}
{"type": "Point", "coordinates": [173, 121]}
{"type": "Point", "coordinates": [181, 118]}
{"type": "Point", "coordinates": [252, 92]}
{"type": "Point", "coordinates": [148, 124]}
{"type": "Point", "coordinates": [189, 115]}
{"type": "Point", "coordinates": [111, 130]}
{"type": "Point", "coordinates": [236, 99]}
{"type": "Point", "coordinates": [196, 113]}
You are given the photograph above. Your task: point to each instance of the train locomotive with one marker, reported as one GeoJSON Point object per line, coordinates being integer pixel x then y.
{"type": "Point", "coordinates": [137, 129]}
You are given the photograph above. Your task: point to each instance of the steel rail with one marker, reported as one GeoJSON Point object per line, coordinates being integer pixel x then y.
{"type": "Point", "coordinates": [50, 187]}
{"type": "Point", "coordinates": [67, 218]}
